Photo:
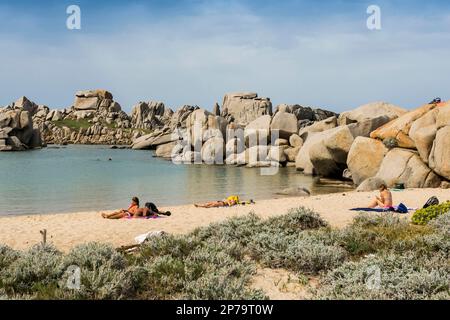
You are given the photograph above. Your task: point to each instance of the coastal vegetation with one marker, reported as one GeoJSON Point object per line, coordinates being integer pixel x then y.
{"type": "Point", "coordinates": [424, 215]}
{"type": "Point", "coordinates": [375, 257]}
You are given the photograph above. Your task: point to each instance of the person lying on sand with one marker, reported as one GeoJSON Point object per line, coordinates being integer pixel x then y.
{"type": "Point", "coordinates": [131, 211]}
{"type": "Point", "coordinates": [216, 204]}
{"type": "Point", "coordinates": [384, 200]}
{"type": "Point", "coordinates": [150, 210]}
{"type": "Point", "coordinates": [229, 202]}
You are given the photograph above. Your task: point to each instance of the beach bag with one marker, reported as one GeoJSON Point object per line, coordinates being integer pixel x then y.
{"type": "Point", "coordinates": [402, 208]}
{"type": "Point", "coordinates": [234, 199]}
{"type": "Point", "coordinates": [433, 201]}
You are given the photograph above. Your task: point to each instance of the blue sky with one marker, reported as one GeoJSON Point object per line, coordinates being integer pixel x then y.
{"type": "Point", "coordinates": [194, 51]}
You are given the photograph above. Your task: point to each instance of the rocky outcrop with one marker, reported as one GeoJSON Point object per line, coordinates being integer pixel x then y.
{"type": "Point", "coordinates": [17, 131]}
{"type": "Point", "coordinates": [92, 99]}
{"type": "Point", "coordinates": [328, 142]}
{"type": "Point", "coordinates": [405, 166]}
{"type": "Point", "coordinates": [399, 128]}
{"type": "Point", "coordinates": [203, 125]}
{"type": "Point", "coordinates": [440, 153]}
{"type": "Point", "coordinates": [419, 155]}
{"type": "Point", "coordinates": [319, 126]}
{"type": "Point", "coordinates": [94, 118]}
{"type": "Point", "coordinates": [378, 112]}
{"type": "Point", "coordinates": [150, 115]}
{"type": "Point", "coordinates": [284, 124]}
{"type": "Point", "coordinates": [364, 158]}
{"type": "Point", "coordinates": [244, 107]}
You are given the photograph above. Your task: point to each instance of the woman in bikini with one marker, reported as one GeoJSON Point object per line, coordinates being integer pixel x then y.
{"type": "Point", "coordinates": [384, 200]}
{"type": "Point", "coordinates": [131, 211]}
{"type": "Point", "coordinates": [217, 204]}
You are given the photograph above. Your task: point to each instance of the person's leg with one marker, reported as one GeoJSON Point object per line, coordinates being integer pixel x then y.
{"type": "Point", "coordinates": [374, 203]}
{"type": "Point", "coordinates": [214, 204]}
{"type": "Point", "coordinates": [107, 215]}
{"type": "Point", "coordinates": [117, 215]}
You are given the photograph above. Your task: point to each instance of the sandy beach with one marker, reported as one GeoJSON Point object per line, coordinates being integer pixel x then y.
{"type": "Point", "coordinates": [68, 230]}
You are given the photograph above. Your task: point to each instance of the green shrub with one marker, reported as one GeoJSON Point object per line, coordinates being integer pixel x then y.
{"type": "Point", "coordinates": [441, 224]}
{"type": "Point", "coordinates": [93, 255]}
{"type": "Point", "coordinates": [212, 286]}
{"type": "Point", "coordinates": [374, 233]}
{"type": "Point", "coordinates": [238, 229]}
{"type": "Point", "coordinates": [390, 143]}
{"type": "Point", "coordinates": [175, 246]}
{"type": "Point", "coordinates": [423, 216]}
{"type": "Point", "coordinates": [388, 276]}
{"type": "Point", "coordinates": [39, 267]}
{"type": "Point", "coordinates": [296, 220]}
{"type": "Point", "coordinates": [105, 282]}
{"type": "Point", "coordinates": [305, 252]}
{"type": "Point", "coordinates": [7, 256]}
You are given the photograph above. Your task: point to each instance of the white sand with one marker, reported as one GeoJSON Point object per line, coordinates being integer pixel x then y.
{"type": "Point", "coordinates": [68, 230]}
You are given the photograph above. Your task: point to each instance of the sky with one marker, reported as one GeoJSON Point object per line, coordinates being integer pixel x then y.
{"type": "Point", "coordinates": [194, 51]}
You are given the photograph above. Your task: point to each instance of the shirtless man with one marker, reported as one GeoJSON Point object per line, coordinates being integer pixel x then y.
{"type": "Point", "coordinates": [384, 200]}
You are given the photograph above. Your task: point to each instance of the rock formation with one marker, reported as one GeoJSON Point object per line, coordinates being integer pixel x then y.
{"type": "Point", "coordinates": [94, 118]}
{"type": "Point", "coordinates": [150, 115]}
{"type": "Point", "coordinates": [244, 107]}
{"type": "Point", "coordinates": [328, 142]}
{"type": "Point", "coordinates": [419, 154]}
{"type": "Point", "coordinates": [17, 131]}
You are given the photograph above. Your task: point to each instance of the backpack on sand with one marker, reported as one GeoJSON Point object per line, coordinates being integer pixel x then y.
{"type": "Point", "coordinates": [433, 201]}
{"type": "Point", "coordinates": [402, 208]}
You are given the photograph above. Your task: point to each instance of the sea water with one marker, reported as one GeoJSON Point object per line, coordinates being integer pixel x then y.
{"type": "Point", "coordinates": [93, 178]}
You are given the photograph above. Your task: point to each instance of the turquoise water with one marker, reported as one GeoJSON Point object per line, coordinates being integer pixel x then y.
{"type": "Point", "coordinates": [81, 178]}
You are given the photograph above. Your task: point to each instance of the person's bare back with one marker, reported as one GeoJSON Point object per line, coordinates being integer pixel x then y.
{"type": "Point", "coordinates": [384, 200]}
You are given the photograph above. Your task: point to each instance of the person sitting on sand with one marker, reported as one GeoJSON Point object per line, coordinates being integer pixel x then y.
{"type": "Point", "coordinates": [229, 202]}
{"type": "Point", "coordinates": [131, 211]}
{"type": "Point", "coordinates": [384, 200]}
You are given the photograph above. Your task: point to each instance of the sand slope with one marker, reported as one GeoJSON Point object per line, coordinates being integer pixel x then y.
{"type": "Point", "coordinates": [67, 230]}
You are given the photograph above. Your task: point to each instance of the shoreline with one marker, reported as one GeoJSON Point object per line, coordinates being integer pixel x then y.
{"type": "Point", "coordinates": [67, 230]}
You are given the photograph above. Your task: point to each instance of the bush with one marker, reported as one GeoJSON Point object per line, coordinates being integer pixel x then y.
{"type": "Point", "coordinates": [296, 220]}
{"type": "Point", "coordinates": [35, 270]}
{"type": "Point", "coordinates": [374, 233]}
{"type": "Point", "coordinates": [238, 229]}
{"type": "Point", "coordinates": [305, 252]}
{"type": "Point", "coordinates": [175, 246]}
{"type": "Point", "coordinates": [442, 224]}
{"type": "Point", "coordinates": [390, 143]}
{"type": "Point", "coordinates": [91, 256]}
{"type": "Point", "coordinates": [7, 256]}
{"type": "Point", "coordinates": [388, 276]}
{"type": "Point", "coordinates": [213, 286]}
{"type": "Point", "coordinates": [423, 216]}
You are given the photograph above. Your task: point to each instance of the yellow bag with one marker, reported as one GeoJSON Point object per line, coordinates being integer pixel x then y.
{"type": "Point", "coordinates": [234, 199]}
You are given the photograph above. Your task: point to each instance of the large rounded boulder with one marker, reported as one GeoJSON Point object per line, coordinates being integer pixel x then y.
{"type": "Point", "coordinates": [365, 158]}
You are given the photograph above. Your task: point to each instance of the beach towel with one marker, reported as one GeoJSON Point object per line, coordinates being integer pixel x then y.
{"type": "Point", "coordinates": [392, 209]}
{"type": "Point", "coordinates": [142, 218]}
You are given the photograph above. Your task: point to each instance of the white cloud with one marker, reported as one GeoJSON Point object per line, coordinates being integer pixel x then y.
{"type": "Point", "coordinates": [197, 57]}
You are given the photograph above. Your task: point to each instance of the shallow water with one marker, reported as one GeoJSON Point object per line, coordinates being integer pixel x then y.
{"type": "Point", "coordinates": [81, 178]}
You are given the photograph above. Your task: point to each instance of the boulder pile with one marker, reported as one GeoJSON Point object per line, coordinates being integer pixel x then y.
{"type": "Point", "coordinates": [17, 131]}
{"type": "Point", "coordinates": [416, 152]}
{"type": "Point", "coordinates": [244, 132]}
{"type": "Point", "coordinates": [94, 118]}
